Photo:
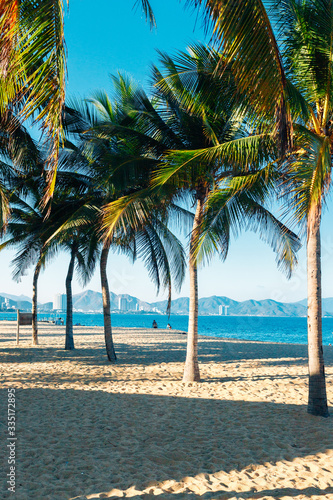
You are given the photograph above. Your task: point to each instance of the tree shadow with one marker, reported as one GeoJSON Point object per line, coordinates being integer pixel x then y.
{"type": "Point", "coordinates": [171, 351]}
{"type": "Point", "coordinates": [79, 442]}
{"type": "Point", "coordinates": [279, 493]}
{"type": "Point", "coordinates": [210, 348]}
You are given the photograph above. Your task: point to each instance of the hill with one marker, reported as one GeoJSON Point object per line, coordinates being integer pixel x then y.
{"type": "Point", "coordinates": [91, 301]}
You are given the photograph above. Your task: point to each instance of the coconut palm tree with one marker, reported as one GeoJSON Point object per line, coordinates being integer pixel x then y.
{"type": "Point", "coordinates": [33, 234]}
{"type": "Point", "coordinates": [78, 243]}
{"type": "Point", "coordinates": [286, 75]}
{"type": "Point", "coordinates": [192, 138]}
{"type": "Point", "coordinates": [72, 194]}
{"type": "Point", "coordinates": [196, 142]}
{"type": "Point", "coordinates": [33, 69]}
{"type": "Point", "coordinates": [33, 66]}
{"type": "Point", "coordinates": [211, 168]}
{"type": "Point", "coordinates": [98, 153]}
{"type": "Point", "coordinates": [24, 232]}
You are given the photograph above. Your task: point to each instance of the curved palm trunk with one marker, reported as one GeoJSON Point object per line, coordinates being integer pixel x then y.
{"type": "Point", "coordinates": [106, 304]}
{"type": "Point", "coordinates": [191, 369]}
{"type": "Point", "coordinates": [34, 304]}
{"type": "Point", "coordinates": [317, 403]}
{"type": "Point", "coordinates": [69, 343]}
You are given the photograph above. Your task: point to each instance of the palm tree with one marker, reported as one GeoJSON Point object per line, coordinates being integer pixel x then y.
{"type": "Point", "coordinates": [110, 350]}
{"type": "Point", "coordinates": [69, 338]}
{"type": "Point", "coordinates": [72, 194]}
{"type": "Point", "coordinates": [77, 248]}
{"type": "Point", "coordinates": [37, 237]}
{"type": "Point", "coordinates": [287, 78]}
{"type": "Point", "coordinates": [100, 154]}
{"type": "Point", "coordinates": [24, 232]}
{"type": "Point", "coordinates": [196, 141]}
{"type": "Point", "coordinates": [33, 65]}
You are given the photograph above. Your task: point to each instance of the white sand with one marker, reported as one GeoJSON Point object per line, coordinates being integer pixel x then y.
{"type": "Point", "coordinates": [87, 429]}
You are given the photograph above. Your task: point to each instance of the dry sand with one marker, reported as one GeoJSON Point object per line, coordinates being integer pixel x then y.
{"type": "Point", "coordinates": [87, 429]}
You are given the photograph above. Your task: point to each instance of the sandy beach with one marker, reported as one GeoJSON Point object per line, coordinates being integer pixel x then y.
{"type": "Point", "coordinates": [87, 429]}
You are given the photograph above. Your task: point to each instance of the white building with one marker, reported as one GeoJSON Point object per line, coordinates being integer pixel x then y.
{"type": "Point", "coordinates": [60, 302]}
{"type": "Point", "coordinates": [122, 304]}
{"type": "Point", "coordinates": [225, 308]}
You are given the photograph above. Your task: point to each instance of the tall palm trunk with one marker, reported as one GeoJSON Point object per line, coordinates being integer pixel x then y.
{"type": "Point", "coordinates": [106, 304]}
{"type": "Point", "coordinates": [317, 403]}
{"type": "Point", "coordinates": [69, 343]}
{"type": "Point", "coordinates": [34, 303]}
{"type": "Point", "coordinates": [191, 369]}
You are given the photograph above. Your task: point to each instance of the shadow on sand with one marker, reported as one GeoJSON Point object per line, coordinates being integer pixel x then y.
{"type": "Point", "coordinates": [81, 442]}
{"type": "Point", "coordinates": [72, 443]}
{"type": "Point", "coordinates": [210, 350]}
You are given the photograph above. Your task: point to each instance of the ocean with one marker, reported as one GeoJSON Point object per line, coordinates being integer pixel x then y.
{"type": "Point", "coordinates": [286, 330]}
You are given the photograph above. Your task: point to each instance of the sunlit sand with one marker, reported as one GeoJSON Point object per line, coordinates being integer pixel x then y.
{"type": "Point", "coordinates": [87, 429]}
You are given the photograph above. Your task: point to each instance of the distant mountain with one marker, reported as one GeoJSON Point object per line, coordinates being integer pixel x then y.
{"type": "Point", "coordinates": [267, 308]}
{"type": "Point", "coordinates": [303, 302]}
{"type": "Point", "coordinates": [48, 306]}
{"type": "Point", "coordinates": [227, 307]}
{"type": "Point", "coordinates": [93, 301]}
{"type": "Point", "coordinates": [179, 306]}
{"type": "Point", "coordinates": [90, 301]}
{"type": "Point", "coordinates": [20, 298]}
{"type": "Point", "coordinates": [215, 305]}
{"type": "Point", "coordinates": [327, 304]}
{"type": "Point", "coordinates": [20, 303]}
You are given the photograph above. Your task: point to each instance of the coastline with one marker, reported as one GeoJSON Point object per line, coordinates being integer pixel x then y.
{"type": "Point", "coordinates": [290, 330]}
{"type": "Point", "coordinates": [87, 429]}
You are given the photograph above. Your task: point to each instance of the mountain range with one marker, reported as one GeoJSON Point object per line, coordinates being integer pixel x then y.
{"type": "Point", "coordinates": [90, 301]}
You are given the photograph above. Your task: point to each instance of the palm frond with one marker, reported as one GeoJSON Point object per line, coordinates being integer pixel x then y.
{"type": "Point", "coordinates": [148, 11]}
{"type": "Point", "coordinates": [243, 33]}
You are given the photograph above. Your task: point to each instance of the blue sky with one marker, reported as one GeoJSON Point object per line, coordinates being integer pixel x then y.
{"type": "Point", "coordinates": [102, 38]}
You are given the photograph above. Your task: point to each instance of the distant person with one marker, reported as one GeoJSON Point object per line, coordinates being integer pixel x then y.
{"type": "Point", "coordinates": [169, 327]}
{"type": "Point", "coordinates": [155, 324]}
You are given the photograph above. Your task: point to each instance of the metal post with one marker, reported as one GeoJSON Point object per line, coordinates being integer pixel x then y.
{"type": "Point", "coordinates": [18, 328]}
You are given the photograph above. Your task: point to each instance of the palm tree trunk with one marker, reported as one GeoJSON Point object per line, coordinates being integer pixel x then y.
{"type": "Point", "coordinates": [110, 351]}
{"type": "Point", "coordinates": [34, 304]}
{"type": "Point", "coordinates": [191, 369]}
{"type": "Point", "coordinates": [317, 403]}
{"type": "Point", "coordinates": [69, 343]}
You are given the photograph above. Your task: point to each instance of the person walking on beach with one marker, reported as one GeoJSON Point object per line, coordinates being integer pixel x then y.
{"type": "Point", "coordinates": [154, 324]}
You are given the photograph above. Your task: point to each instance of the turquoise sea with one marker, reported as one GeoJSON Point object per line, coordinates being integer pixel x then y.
{"type": "Point", "coordinates": [287, 330]}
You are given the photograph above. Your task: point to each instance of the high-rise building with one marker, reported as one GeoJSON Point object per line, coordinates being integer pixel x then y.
{"type": "Point", "coordinates": [60, 302]}
{"type": "Point", "coordinates": [224, 308]}
{"type": "Point", "coordinates": [122, 304]}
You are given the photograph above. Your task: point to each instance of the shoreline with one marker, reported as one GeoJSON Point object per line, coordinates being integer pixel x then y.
{"type": "Point", "coordinates": [166, 331]}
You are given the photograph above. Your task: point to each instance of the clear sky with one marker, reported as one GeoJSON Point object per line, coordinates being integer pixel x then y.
{"type": "Point", "coordinates": [102, 38]}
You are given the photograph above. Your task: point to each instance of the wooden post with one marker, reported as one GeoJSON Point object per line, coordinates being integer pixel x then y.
{"type": "Point", "coordinates": [18, 328]}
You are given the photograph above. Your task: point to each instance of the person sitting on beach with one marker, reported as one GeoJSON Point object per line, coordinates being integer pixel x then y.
{"type": "Point", "coordinates": [169, 326]}
{"type": "Point", "coordinates": [154, 324]}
